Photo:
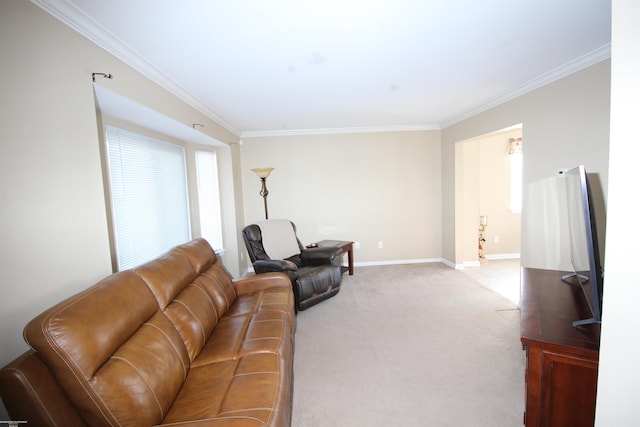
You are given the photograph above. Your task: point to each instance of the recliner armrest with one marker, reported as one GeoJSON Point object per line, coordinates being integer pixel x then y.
{"type": "Point", "coordinates": [256, 282]}
{"type": "Point", "coordinates": [274, 265]}
{"type": "Point", "coordinates": [319, 256]}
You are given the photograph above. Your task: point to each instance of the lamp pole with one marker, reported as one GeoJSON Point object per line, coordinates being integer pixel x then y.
{"type": "Point", "coordinates": [263, 173]}
{"type": "Point", "coordinates": [264, 193]}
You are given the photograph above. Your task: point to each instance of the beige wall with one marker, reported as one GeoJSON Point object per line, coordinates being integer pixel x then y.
{"type": "Point", "coordinates": [54, 234]}
{"type": "Point", "coordinates": [468, 201]}
{"type": "Point", "coordinates": [565, 123]}
{"type": "Point", "coordinates": [364, 187]}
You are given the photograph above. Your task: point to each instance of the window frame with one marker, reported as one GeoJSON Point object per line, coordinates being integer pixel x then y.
{"type": "Point", "coordinates": [515, 197]}
{"type": "Point", "coordinates": [191, 178]}
{"type": "Point", "coordinates": [199, 224]}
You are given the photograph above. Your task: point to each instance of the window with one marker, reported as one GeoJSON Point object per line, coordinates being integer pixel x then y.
{"type": "Point", "coordinates": [148, 196]}
{"type": "Point", "coordinates": [209, 198]}
{"type": "Point", "coordinates": [515, 158]}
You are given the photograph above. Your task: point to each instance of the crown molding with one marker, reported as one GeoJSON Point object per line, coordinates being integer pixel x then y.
{"type": "Point", "coordinates": [329, 131]}
{"type": "Point", "coordinates": [73, 17]}
{"type": "Point", "coordinates": [595, 56]}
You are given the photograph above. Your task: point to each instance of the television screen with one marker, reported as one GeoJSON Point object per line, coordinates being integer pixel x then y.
{"type": "Point", "coordinates": [585, 254]}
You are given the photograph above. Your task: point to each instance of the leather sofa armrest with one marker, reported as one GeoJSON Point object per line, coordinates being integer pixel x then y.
{"type": "Point", "coordinates": [249, 284]}
{"type": "Point", "coordinates": [26, 380]}
{"type": "Point", "coordinates": [319, 256]}
{"type": "Point", "coordinates": [274, 265]}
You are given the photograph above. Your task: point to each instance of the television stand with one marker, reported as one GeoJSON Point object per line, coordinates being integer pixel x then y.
{"type": "Point", "coordinates": [562, 361]}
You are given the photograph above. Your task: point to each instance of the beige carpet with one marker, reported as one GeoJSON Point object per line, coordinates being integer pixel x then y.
{"type": "Point", "coordinates": [409, 345]}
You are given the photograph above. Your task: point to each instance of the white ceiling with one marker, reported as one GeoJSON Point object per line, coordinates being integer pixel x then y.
{"type": "Point", "coordinates": [261, 67]}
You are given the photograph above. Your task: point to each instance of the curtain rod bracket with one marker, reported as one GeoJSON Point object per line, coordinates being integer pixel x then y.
{"type": "Point", "coordinates": [105, 75]}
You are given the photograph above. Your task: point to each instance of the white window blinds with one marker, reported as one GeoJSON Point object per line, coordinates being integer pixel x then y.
{"type": "Point", "coordinates": [148, 196]}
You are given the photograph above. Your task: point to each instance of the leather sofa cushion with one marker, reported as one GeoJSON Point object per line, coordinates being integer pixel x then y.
{"type": "Point", "coordinates": [237, 389]}
{"type": "Point", "coordinates": [239, 336]}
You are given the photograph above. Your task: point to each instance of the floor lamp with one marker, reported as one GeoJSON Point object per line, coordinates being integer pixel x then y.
{"type": "Point", "coordinates": [263, 173]}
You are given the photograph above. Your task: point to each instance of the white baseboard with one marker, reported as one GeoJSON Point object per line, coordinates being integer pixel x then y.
{"type": "Point", "coordinates": [250, 271]}
{"type": "Point", "coordinates": [451, 264]}
{"type": "Point", "coordinates": [466, 264]}
{"type": "Point", "coordinates": [504, 256]}
{"type": "Point", "coordinates": [395, 262]}
{"type": "Point", "coordinates": [470, 264]}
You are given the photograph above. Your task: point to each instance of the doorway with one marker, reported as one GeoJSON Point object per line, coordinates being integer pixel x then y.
{"type": "Point", "coordinates": [488, 222]}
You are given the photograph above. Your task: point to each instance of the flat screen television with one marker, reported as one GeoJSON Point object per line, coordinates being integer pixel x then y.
{"type": "Point", "coordinates": [585, 254]}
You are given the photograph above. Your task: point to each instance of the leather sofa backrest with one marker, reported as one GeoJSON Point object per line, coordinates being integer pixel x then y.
{"type": "Point", "coordinates": [187, 305]}
{"type": "Point", "coordinates": [211, 274]}
{"type": "Point", "coordinates": [117, 356]}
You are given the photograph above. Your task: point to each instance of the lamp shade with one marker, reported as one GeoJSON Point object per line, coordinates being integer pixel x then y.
{"type": "Point", "coordinates": [262, 172]}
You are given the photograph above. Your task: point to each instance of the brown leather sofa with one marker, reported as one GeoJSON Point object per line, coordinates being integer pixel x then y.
{"type": "Point", "coordinates": [175, 341]}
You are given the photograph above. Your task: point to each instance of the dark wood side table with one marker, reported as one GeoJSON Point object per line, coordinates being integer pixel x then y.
{"type": "Point", "coordinates": [346, 246]}
{"type": "Point", "coordinates": [562, 360]}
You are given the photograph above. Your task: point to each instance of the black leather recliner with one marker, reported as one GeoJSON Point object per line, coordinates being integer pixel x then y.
{"type": "Point", "coordinates": [315, 273]}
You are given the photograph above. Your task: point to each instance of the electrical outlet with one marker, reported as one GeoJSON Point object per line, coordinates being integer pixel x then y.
{"type": "Point", "coordinates": [380, 245]}
{"type": "Point", "coordinates": [496, 239]}
{"type": "Point", "coordinates": [356, 245]}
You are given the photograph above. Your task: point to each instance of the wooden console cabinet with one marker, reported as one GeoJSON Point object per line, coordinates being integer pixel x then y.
{"type": "Point", "coordinates": [562, 360]}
